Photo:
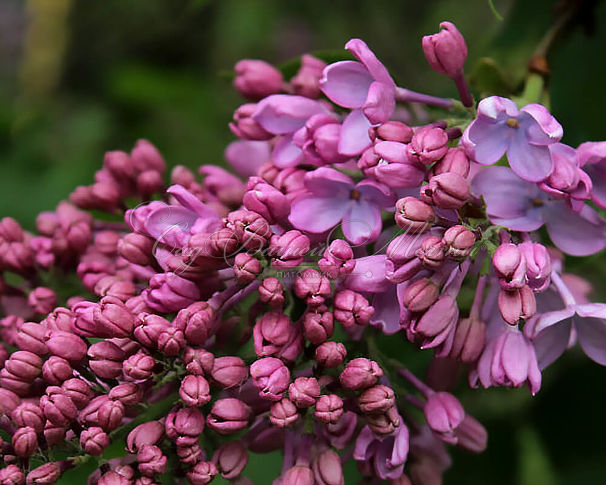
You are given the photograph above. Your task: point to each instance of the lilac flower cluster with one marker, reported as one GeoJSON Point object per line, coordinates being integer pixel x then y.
{"type": "Point", "coordinates": [231, 314]}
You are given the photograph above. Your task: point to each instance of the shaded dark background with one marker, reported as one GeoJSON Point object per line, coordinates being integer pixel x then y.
{"type": "Point", "coordinates": [78, 78]}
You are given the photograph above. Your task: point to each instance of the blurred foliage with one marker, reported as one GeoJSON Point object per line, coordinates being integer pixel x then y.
{"type": "Point", "coordinates": [78, 78]}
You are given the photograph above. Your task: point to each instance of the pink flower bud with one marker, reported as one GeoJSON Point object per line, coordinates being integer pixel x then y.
{"type": "Point", "coordinates": [54, 434]}
{"type": "Point", "coordinates": [414, 215]}
{"type": "Point", "coordinates": [272, 332]}
{"type": "Point", "coordinates": [139, 366]}
{"type": "Point", "coordinates": [376, 400]}
{"type": "Point", "coordinates": [433, 327]}
{"type": "Point", "coordinates": [8, 401]}
{"type": "Point", "coordinates": [455, 160]}
{"type": "Point", "coordinates": [386, 423]}
{"type": "Point", "coordinates": [459, 241]}
{"type": "Point", "coordinates": [245, 126]}
{"type": "Point", "coordinates": [360, 373]}
{"type": "Point", "coordinates": [170, 341]}
{"type": "Point", "coordinates": [48, 473]}
{"type": "Point", "coordinates": [257, 79]}
{"type": "Point", "coordinates": [149, 433]}
{"type": "Point", "coordinates": [13, 383]}
{"type": "Point", "coordinates": [304, 391]}
{"type": "Point", "coordinates": [251, 229]}
{"type": "Point", "coordinates": [516, 304]}
{"type": "Point", "coordinates": [428, 145]}
{"type": "Point", "coordinates": [298, 475]}
{"type": "Point", "coordinates": [112, 318]}
{"type": "Point", "coordinates": [66, 345]}
{"type": "Point", "coordinates": [190, 455]}
{"type": "Point", "coordinates": [446, 51]}
{"type": "Point", "coordinates": [151, 461]}
{"type": "Point", "coordinates": [231, 459]}
{"type": "Point", "coordinates": [330, 354]}
{"type": "Point", "coordinates": [168, 292]}
{"type": "Point", "coordinates": [265, 200]}
{"type": "Point", "coordinates": [110, 414]}
{"type": "Point", "coordinates": [329, 409]}
{"type": "Point", "coordinates": [60, 319]}
{"type": "Point", "coordinates": [327, 468]}
{"type": "Point", "coordinates": [198, 361]}
{"type": "Point", "coordinates": [194, 390]}
{"type": "Point", "coordinates": [471, 435]}
{"type": "Point", "coordinates": [56, 370]}
{"type": "Point", "coordinates": [93, 441]}
{"type": "Point", "coordinates": [12, 475]}
{"type": "Point", "coordinates": [271, 292]}
{"type": "Point", "coordinates": [148, 328]}
{"type": "Point", "coordinates": [229, 371]}
{"type": "Point", "coordinates": [352, 308]}
{"type": "Point", "coordinates": [24, 365]}
{"type": "Point", "coordinates": [447, 191]}
{"type": "Point", "coordinates": [283, 413]}
{"type": "Point", "coordinates": [145, 156]}
{"type": "Point", "coordinates": [116, 287]}
{"type": "Point", "coordinates": [444, 414]}
{"type": "Point", "coordinates": [113, 478]}
{"type": "Point", "coordinates": [149, 183]}
{"type": "Point", "coordinates": [228, 416]}
{"type": "Point", "coordinates": [246, 268]}
{"type": "Point", "coordinates": [106, 359]}
{"type": "Point", "coordinates": [128, 393]}
{"type": "Point", "coordinates": [185, 425]}
{"type": "Point", "coordinates": [271, 377]}
{"type": "Point", "coordinates": [312, 286]}
{"type": "Point", "coordinates": [318, 325]}
{"type": "Point", "coordinates": [288, 249]}
{"type": "Point", "coordinates": [420, 295]}
{"type": "Point", "coordinates": [538, 265]}
{"type": "Point", "coordinates": [29, 415]}
{"type": "Point", "coordinates": [307, 80]}
{"type": "Point", "coordinates": [196, 322]}
{"type": "Point", "coordinates": [25, 442]}
{"type": "Point", "coordinates": [202, 473]}
{"type": "Point", "coordinates": [510, 266]}
{"type": "Point", "coordinates": [42, 300]}
{"type": "Point", "coordinates": [337, 260]}
{"type": "Point", "coordinates": [78, 391]}
{"type": "Point", "coordinates": [391, 131]}
{"type": "Point", "coordinates": [31, 337]}
{"type": "Point", "coordinates": [136, 248]}
{"type": "Point", "coordinates": [469, 340]}
{"type": "Point", "coordinates": [89, 414]}
{"type": "Point", "coordinates": [58, 407]}
{"type": "Point", "coordinates": [319, 140]}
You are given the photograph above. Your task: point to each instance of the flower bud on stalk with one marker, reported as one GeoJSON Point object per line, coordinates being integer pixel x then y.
{"type": "Point", "coordinates": [330, 354]}
{"type": "Point", "coordinates": [329, 409]}
{"type": "Point", "coordinates": [459, 241]}
{"type": "Point", "coordinates": [352, 308]}
{"type": "Point", "coordinates": [420, 295]}
{"type": "Point", "coordinates": [271, 292]}
{"type": "Point", "coordinates": [428, 145]}
{"type": "Point", "coordinates": [228, 416]}
{"type": "Point", "coordinates": [283, 413]}
{"type": "Point", "coordinates": [360, 373]}
{"type": "Point", "coordinates": [312, 287]}
{"type": "Point", "coordinates": [304, 391]}
{"type": "Point", "coordinates": [231, 459]}
{"type": "Point", "coordinates": [414, 215]}
{"type": "Point", "coordinates": [229, 371]}
{"type": "Point", "coordinates": [194, 390]}
{"type": "Point", "coordinates": [257, 79]}
{"type": "Point", "coordinates": [376, 400]}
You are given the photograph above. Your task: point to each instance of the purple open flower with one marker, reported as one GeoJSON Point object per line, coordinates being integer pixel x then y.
{"type": "Point", "coordinates": [523, 206]}
{"type": "Point", "coordinates": [333, 197]}
{"type": "Point", "coordinates": [387, 455]}
{"type": "Point", "coordinates": [592, 157]}
{"type": "Point", "coordinates": [365, 87]}
{"type": "Point", "coordinates": [524, 134]}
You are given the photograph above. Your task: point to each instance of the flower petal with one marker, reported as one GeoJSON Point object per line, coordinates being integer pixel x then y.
{"type": "Point", "coordinates": [367, 57]}
{"type": "Point", "coordinates": [346, 83]}
{"type": "Point", "coordinates": [170, 224]}
{"type": "Point", "coordinates": [578, 234]}
{"type": "Point", "coordinates": [387, 311]}
{"type": "Point", "coordinates": [286, 153]}
{"type": "Point", "coordinates": [486, 141]}
{"type": "Point", "coordinates": [328, 182]}
{"type": "Point", "coordinates": [380, 103]}
{"type": "Point", "coordinates": [354, 138]}
{"type": "Point", "coordinates": [591, 333]}
{"type": "Point", "coordinates": [191, 202]}
{"type": "Point", "coordinates": [362, 223]}
{"type": "Point", "coordinates": [368, 275]}
{"type": "Point", "coordinates": [545, 129]}
{"type": "Point", "coordinates": [317, 214]}
{"type": "Point", "coordinates": [376, 193]}
{"type": "Point", "coordinates": [281, 114]}
{"type": "Point", "coordinates": [531, 162]}
{"type": "Point", "coordinates": [246, 157]}
{"type": "Point", "coordinates": [551, 343]}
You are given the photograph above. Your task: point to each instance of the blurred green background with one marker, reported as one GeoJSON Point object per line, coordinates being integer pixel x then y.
{"type": "Point", "coordinates": [80, 77]}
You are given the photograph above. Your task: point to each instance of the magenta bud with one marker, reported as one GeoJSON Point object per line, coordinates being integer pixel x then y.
{"type": "Point", "coordinates": [30, 415]}
{"type": "Point", "coordinates": [202, 473]}
{"type": "Point", "coordinates": [330, 354]}
{"type": "Point", "coordinates": [272, 332]}
{"type": "Point", "coordinates": [13, 383]}
{"type": "Point", "coordinates": [93, 441]}
{"type": "Point", "coordinates": [318, 325]}
{"type": "Point", "coordinates": [447, 191]}
{"type": "Point", "coordinates": [113, 319]}
{"type": "Point", "coordinates": [24, 365]}
{"type": "Point", "coordinates": [246, 268]}
{"type": "Point", "coordinates": [42, 300]}
{"type": "Point", "coordinates": [428, 145]}
{"type": "Point", "coordinates": [298, 475]}
{"type": "Point", "coordinates": [149, 433]}
{"type": "Point", "coordinates": [471, 435]}
{"type": "Point", "coordinates": [148, 328]}
{"type": "Point", "coordinates": [469, 339]}
{"type": "Point", "coordinates": [89, 414]}
{"type": "Point", "coordinates": [455, 160]}
{"type": "Point", "coordinates": [283, 413]}
{"type": "Point", "coordinates": [257, 79]}
{"type": "Point", "coordinates": [31, 337]}
{"type": "Point", "coordinates": [360, 373]}
{"type": "Point", "coordinates": [266, 200]}
{"type": "Point", "coordinates": [54, 434]}
{"type": "Point", "coordinates": [66, 345]}
{"type": "Point", "coordinates": [171, 341]}
{"type": "Point", "coordinates": [444, 414]}
{"type": "Point", "coordinates": [337, 260]}
{"type": "Point", "coordinates": [56, 370]}
{"type": "Point", "coordinates": [251, 229]}
{"type": "Point", "coordinates": [245, 126]}
{"type": "Point", "coordinates": [391, 131]}
{"type": "Point", "coordinates": [116, 287]}
{"type": "Point", "coordinates": [271, 377]}
{"type": "Point", "coordinates": [538, 265]}
{"type": "Point", "coordinates": [60, 319]}
{"type": "Point", "coordinates": [510, 266]}
{"type": "Point", "coordinates": [376, 400]}
{"type": "Point", "coordinates": [106, 359]}
{"type": "Point", "coordinates": [12, 475]}
{"type": "Point", "coordinates": [45, 474]}
{"type": "Point", "coordinates": [386, 423]}
{"type": "Point", "coordinates": [312, 286]}
{"type": "Point", "coordinates": [145, 156]}
{"type": "Point", "coordinates": [185, 425]}
{"type": "Point", "coordinates": [304, 391]}
{"type": "Point", "coordinates": [149, 182]}
{"type": "Point", "coordinates": [271, 292]}
{"type": "Point", "coordinates": [196, 322]}
{"type": "Point", "coordinates": [228, 416]}
{"type": "Point", "coordinates": [327, 468]}
{"type": "Point", "coordinates": [352, 308]}
{"type": "Point", "coordinates": [110, 414]}
{"type": "Point", "coordinates": [516, 304]}
{"type": "Point", "coordinates": [319, 140]}
{"type": "Point", "coordinates": [151, 461]}
{"type": "Point", "coordinates": [329, 409]}
{"type": "Point", "coordinates": [138, 367]}
{"type": "Point", "coordinates": [78, 391]}
{"type": "Point", "coordinates": [459, 241]}
{"type": "Point", "coordinates": [191, 454]}
{"type": "Point", "coordinates": [432, 252]}
{"type": "Point", "coordinates": [58, 407]}
{"type": "Point", "coordinates": [434, 326]}
{"type": "Point", "coordinates": [194, 390]}
{"type": "Point", "coordinates": [231, 459]}
{"type": "Point", "coordinates": [288, 249]}
{"type": "Point", "coordinates": [198, 361]}
{"type": "Point", "coordinates": [25, 442]}
{"type": "Point", "coordinates": [307, 80]}
{"type": "Point", "coordinates": [128, 393]}
{"type": "Point", "coordinates": [414, 215]}
{"type": "Point", "coordinates": [8, 401]}
{"type": "Point", "coordinates": [229, 371]}
{"type": "Point", "coordinates": [420, 295]}
{"type": "Point", "coordinates": [136, 248]}
{"type": "Point", "coordinates": [446, 51]}
{"type": "Point", "coordinates": [113, 478]}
